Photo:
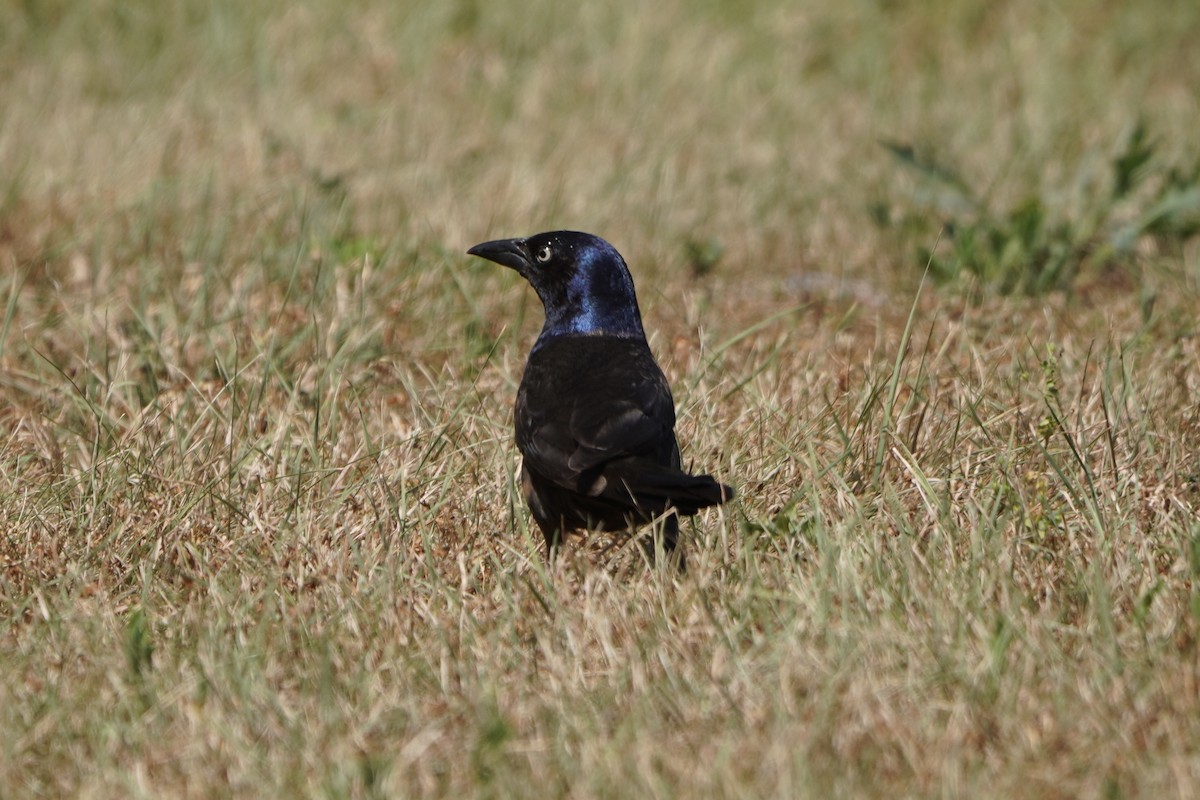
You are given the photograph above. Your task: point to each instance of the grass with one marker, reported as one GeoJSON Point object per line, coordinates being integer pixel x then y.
{"type": "Point", "coordinates": [260, 530]}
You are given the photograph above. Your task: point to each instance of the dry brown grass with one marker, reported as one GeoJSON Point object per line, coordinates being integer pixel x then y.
{"type": "Point", "coordinates": [260, 529]}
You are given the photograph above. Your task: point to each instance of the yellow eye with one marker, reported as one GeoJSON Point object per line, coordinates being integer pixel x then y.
{"type": "Point", "coordinates": [543, 255]}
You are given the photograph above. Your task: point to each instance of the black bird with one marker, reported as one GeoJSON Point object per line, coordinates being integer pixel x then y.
{"type": "Point", "coordinates": [595, 421]}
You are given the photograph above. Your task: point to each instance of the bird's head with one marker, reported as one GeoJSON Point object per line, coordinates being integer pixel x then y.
{"type": "Point", "coordinates": [581, 279]}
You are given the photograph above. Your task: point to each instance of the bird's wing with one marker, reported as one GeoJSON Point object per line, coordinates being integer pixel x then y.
{"type": "Point", "coordinates": [568, 445]}
{"type": "Point", "coordinates": [618, 431]}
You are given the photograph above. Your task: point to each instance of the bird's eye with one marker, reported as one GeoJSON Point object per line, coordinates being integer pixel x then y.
{"type": "Point", "coordinates": [543, 255]}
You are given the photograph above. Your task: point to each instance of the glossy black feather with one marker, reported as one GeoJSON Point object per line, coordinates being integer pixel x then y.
{"type": "Point", "coordinates": [595, 420]}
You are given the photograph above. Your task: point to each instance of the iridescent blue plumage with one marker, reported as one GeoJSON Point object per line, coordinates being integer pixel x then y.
{"type": "Point", "coordinates": [600, 299]}
{"type": "Point", "coordinates": [581, 279]}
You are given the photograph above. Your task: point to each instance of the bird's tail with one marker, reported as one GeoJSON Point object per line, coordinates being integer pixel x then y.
{"type": "Point", "coordinates": [654, 486]}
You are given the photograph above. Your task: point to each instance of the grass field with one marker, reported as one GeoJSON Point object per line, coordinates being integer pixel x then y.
{"type": "Point", "coordinates": [260, 533]}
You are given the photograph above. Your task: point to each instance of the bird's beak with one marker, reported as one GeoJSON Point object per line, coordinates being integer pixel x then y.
{"type": "Point", "coordinates": [512, 253]}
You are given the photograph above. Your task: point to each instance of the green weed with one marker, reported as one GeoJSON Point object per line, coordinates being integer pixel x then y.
{"type": "Point", "coordinates": [1041, 245]}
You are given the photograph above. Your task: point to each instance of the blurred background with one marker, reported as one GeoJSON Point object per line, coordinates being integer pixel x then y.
{"type": "Point", "coordinates": [768, 139]}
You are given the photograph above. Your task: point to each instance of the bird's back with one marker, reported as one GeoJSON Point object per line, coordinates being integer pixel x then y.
{"type": "Point", "coordinates": [595, 423]}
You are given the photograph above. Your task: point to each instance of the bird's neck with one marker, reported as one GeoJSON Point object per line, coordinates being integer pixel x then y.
{"type": "Point", "coordinates": [595, 303]}
{"type": "Point", "coordinates": [595, 317]}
